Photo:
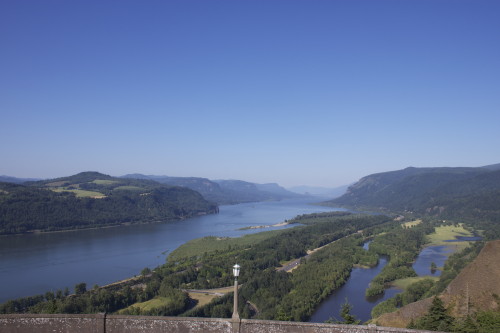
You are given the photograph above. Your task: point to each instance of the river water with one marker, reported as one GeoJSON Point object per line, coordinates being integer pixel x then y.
{"type": "Point", "coordinates": [354, 289]}
{"type": "Point", "coordinates": [36, 263]}
{"type": "Point", "coordinates": [354, 292]}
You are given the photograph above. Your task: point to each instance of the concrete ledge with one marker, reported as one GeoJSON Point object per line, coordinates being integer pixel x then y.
{"type": "Point", "coordinates": [261, 326]}
{"type": "Point", "coordinates": [139, 324]}
{"type": "Point", "coordinates": [102, 323]}
{"type": "Point", "coordinates": [57, 323]}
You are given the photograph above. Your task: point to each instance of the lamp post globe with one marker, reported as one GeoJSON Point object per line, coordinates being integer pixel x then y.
{"type": "Point", "coordinates": [236, 270]}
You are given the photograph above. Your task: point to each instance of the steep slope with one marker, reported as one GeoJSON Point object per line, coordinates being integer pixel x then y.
{"type": "Point", "coordinates": [91, 199]}
{"type": "Point", "coordinates": [224, 191]}
{"type": "Point", "coordinates": [209, 189]}
{"type": "Point", "coordinates": [476, 288]}
{"type": "Point", "coordinates": [241, 191]}
{"type": "Point", "coordinates": [423, 190]}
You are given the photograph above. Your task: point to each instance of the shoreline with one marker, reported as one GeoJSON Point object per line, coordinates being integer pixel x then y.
{"type": "Point", "coordinates": [281, 224]}
{"type": "Point", "coordinates": [121, 224]}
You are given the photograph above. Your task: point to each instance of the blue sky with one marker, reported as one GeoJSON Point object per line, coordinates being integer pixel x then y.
{"type": "Point", "coordinates": [295, 92]}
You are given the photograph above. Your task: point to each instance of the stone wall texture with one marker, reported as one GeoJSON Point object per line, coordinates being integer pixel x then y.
{"type": "Point", "coordinates": [102, 323]}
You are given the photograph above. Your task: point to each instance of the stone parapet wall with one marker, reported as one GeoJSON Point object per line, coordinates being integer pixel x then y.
{"type": "Point", "coordinates": [57, 323]}
{"type": "Point", "coordinates": [143, 324]}
{"type": "Point", "coordinates": [102, 323]}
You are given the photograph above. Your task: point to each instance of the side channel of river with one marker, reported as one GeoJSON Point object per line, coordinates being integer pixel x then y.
{"type": "Point", "coordinates": [35, 263]}
{"type": "Point", "coordinates": [354, 289]}
{"type": "Point", "coordinates": [354, 292]}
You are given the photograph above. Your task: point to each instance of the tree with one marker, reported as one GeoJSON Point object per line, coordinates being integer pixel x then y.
{"type": "Point", "coordinates": [467, 325]}
{"type": "Point", "coordinates": [345, 313]}
{"type": "Point", "coordinates": [433, 267]}
{"type": "Point", "coordinates": [146, 271]}
{"type": "Point", "coordinates": [436, 319]}
{"type": "Point", "coordinates": [282, 315]}
{"type": "Point", "coordinates": [80, 288]}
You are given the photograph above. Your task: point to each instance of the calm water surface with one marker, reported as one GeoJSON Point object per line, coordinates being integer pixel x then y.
{"type": "Point", "coordinates": [33, 264]}
{"type": "Point", "coordinates": [437, 254]}
{"type": "Point", "coordinates": [354, 292]}
{"type": "Point", "coordinates": [356, 285]}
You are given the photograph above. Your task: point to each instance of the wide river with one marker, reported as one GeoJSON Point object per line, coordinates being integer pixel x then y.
{"type": "Point", "coordinates": [36, 263]}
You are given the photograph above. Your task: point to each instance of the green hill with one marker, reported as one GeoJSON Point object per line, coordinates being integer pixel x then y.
{"type": "Point", "coordinates": [448, 192]}
{"type": "Point", "coordinates": [91, 199]}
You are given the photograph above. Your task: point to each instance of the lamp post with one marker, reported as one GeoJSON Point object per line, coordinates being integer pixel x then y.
{"type": "Point", "coordinates": [236, 273]}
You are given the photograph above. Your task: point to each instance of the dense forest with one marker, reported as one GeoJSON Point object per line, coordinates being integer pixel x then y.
{"type": "Point", "coordinates": [470, 194]}
{"type": "Point", "coordinates": [91, 199]}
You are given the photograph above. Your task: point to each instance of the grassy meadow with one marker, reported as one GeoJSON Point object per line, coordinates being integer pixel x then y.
{"type": "Point", "coordinates": [104, 182]}
{"type": "Point", "coordinates": [447, 232]}
{"type": "Point", "coordinates": [81, 193]}
{"type": "Point", "coordinates": [404, 283]}
{"type": "Point", "coordinates": [149, 305]}
{"type": "Point", "coordinates": [199, 246]}
{"type": "Point", "coordinates": [411, 223]}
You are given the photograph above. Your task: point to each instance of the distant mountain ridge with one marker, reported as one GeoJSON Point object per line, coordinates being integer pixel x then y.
{"type": "Point", "coordinates": [224, 191]}
{"type": "Point", "coordinates": [492, 166]}
{"type": "Point", "coordinates": [442, 191]}
{"type": "Point", "coordinates": [15, 180]}
{"type": "Point", "coordinates": [325, 192]}
{"type": "Point", "coordinates": [92, 199]}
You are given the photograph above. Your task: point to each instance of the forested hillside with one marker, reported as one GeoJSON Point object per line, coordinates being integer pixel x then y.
{"type": "Point", "coordinates": [91, 199]}
{"type": "Point", "coordinates": [448, 192]}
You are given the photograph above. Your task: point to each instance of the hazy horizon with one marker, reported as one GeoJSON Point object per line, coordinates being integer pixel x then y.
{"type": "Point", "coordinates": [317, 93]}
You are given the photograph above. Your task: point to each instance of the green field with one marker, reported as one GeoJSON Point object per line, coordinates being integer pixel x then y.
{"type": "Point", "coordinates": [151, 304]}
{"type": "Point", "coordinates": [129, 188]}
{"type": "Point", "coordinates": [81, 193]}
{"type": "Point", "coordinates": [448, 232]}
{"type": "Point", "coordinates": [412, 223]}
{"type": "Point", "coordinates": [404, 283]}
{"type": "Point", "coordinates": [104, 182]}
{"type": "Point", "coordinates": [209, 244]}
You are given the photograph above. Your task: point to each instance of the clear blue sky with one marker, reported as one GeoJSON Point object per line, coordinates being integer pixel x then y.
{"type": "Point", "coordinates": [295, 92]}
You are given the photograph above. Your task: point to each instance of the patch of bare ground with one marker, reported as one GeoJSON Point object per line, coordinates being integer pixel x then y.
{"type": "Point", "coordinates": [475, 288]}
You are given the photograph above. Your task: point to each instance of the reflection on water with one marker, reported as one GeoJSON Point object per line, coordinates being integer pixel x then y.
{"type": "Point", "coordinates": [431, 254]}
{"type": "Point", "coordinates": [354, 292]}
{"type": "Point", "coordinates": [356, 285]}
{"type": "Point", "coordinates": [465, 239]}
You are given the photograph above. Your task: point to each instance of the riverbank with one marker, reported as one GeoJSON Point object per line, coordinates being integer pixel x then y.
{"type": "Point", "coordinates": [282, 224]}
{"type": "Point", "coordinates": [103, 226]}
